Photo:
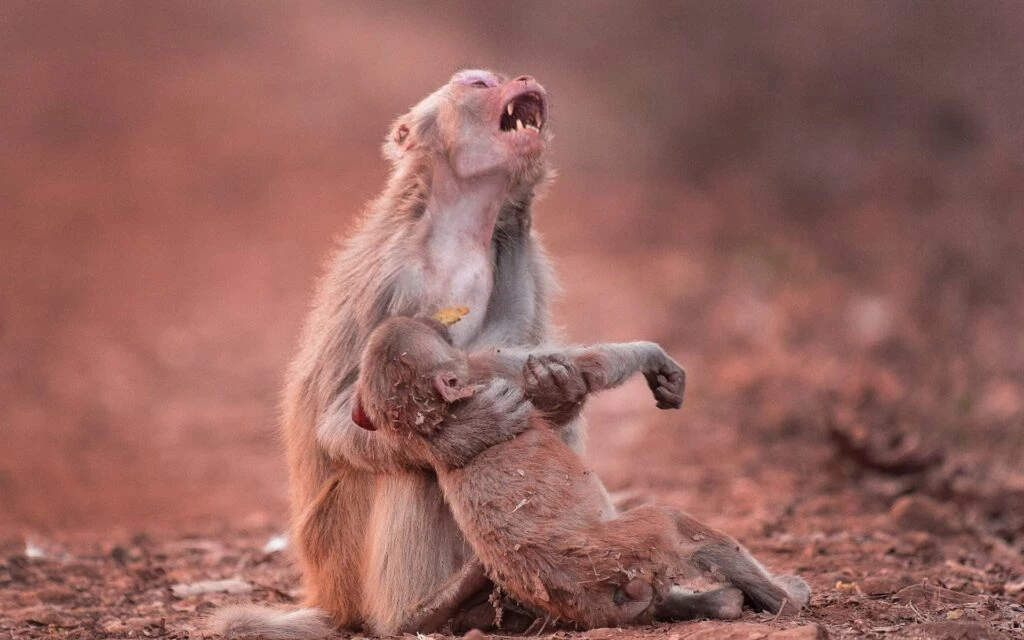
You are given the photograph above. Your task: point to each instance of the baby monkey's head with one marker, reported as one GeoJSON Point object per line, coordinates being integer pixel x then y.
{"type": "Point", "coordinates": [409, 376]}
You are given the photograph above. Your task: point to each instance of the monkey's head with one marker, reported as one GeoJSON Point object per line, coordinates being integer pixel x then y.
{"type": "Point", "coordinates": [483, 123]}
{"type": "Point", "coordinates": [409, 376]}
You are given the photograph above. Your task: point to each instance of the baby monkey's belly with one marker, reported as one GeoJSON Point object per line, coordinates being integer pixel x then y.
{"type": "Point", "coordinates": [529, 509]}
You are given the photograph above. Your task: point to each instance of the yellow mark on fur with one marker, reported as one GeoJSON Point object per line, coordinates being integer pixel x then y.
{"type": "Point", "coordinates": [450, 315]}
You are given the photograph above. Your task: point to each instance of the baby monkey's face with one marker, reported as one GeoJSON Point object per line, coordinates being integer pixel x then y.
{"type": "Point", "coordinates": [409, 374]}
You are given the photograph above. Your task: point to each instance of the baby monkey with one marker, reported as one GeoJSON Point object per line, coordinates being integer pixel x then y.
{"type": "Point", "coordinates": [534, 515]}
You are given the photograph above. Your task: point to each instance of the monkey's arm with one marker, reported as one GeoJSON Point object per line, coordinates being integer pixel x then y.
{"type": "Point", "coordinates": [366, 450]}
{"type": "Point", "coordinates": [497, 411]}
{"type": "Point", "coordinates": [517, 311]}
{"type": "Point", "coordinates": [549, 378]}
{"type": "Point", "coordinates": [605, 366]}
{"type": "Point", "coordinates": [558, 381]}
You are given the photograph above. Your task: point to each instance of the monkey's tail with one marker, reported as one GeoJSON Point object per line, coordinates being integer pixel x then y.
{"type": "Point", "coordinates": [272, 623]}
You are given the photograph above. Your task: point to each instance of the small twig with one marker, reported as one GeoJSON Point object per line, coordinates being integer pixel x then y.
{"type": "Point", "coordinates": [920, 616]}
{"type": "Point", "coordinates": [592, 565]}
{"type": "Point", "coordinates": [544, 626]}
{"type": "Point", "coordinates": [782, 607]}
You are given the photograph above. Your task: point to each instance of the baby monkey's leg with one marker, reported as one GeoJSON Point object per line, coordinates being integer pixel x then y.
{"type": "Point", "coordinates": [656, 527]}
{"type": "Point", "coordinates": [722, 603]}
{"type": "Point", "coordinates": [723, 557]}
{"type": "Point", "coordinates": [685, 545]}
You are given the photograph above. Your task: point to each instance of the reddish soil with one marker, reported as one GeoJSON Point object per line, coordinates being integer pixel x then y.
{"type": "Point", "coordinates": [171, 177]}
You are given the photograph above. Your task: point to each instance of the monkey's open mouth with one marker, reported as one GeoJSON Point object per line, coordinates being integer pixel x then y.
{"type": "Point", "coordinates": [525, 111]}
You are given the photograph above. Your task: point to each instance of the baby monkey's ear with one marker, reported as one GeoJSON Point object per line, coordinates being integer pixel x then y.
{"type": "Point", "coordinates": [450, 387]}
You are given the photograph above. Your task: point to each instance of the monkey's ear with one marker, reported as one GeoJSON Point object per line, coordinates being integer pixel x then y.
{"type": "Point", "coordinates": [450, 387]}
{"type": "Point", "coordinates": [399, 140]}
{"type": "Point", "coordinates": [359, 414]}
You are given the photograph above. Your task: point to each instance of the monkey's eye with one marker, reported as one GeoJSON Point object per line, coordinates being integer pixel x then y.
{"type": "Point", "coordinates": [480, 84]}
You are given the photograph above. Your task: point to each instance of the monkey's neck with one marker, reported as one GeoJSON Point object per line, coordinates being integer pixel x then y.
{"type": "Point", "coordinates": [458, 266]}
{"type": "Point", "coordinates": [461, 214]}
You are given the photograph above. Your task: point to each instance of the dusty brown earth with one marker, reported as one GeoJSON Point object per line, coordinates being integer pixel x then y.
{"type": "Point", "coordinates": [838, 266]}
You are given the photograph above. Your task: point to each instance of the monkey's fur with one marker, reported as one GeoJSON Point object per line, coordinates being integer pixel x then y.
{"type": "Point", "coordinates": [453, 226]}
{"type": "Point", "coordinates": [533, 514]}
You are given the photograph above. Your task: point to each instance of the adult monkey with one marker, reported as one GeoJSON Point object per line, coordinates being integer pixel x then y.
{"type": "Point", "coordinates": [452, 227]}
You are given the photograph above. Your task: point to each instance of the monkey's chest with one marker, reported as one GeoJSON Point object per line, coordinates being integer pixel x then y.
{"type": "Point", "coordinates": [461, 278]}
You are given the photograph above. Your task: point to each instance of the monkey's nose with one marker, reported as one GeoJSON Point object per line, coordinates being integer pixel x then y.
{"type": "Point", "coordinates": [526, 79]}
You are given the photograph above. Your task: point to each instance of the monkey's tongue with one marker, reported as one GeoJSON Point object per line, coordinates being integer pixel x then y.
{"type": "Point", "coordinates": [359, 415]}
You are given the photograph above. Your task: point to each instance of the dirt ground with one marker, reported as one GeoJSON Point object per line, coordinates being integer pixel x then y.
{"type": "Point", "coordinates": [850, 317]}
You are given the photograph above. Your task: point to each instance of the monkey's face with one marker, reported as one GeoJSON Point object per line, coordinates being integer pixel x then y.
{"type": "Point", "coordinates": [484, 123]}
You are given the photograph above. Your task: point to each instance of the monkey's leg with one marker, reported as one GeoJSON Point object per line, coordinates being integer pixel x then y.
{"type": "Point", "coordinates": [463, 603]}
{"type": "Point", "coordinates": [722, 556]}
{"type": "Point", "coordinates": [413, 545]}
{"type": "Point", "coordinates": [432, 612]}
{"type": "Point", "coordinates": [723, 603]}
{"type": "Point", "coordinates": [328, 537]}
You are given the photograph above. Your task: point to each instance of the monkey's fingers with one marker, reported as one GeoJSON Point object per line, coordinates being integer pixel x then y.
{"type": "Point", "coordinates": [668, 398]}
{"type": "Point", "coordinates": [530, 372]}
{"type": "Point", "coordinates": [538, 378]}
{"type": "Point", "coordinates": [553, 379]}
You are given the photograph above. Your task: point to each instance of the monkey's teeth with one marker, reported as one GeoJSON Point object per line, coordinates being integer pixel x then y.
{"type": "Point", "coordinates": [519, 124]}
{"type": "Point", "coordinates": [535, 128]}
{"type": "Point", "coordinates": [509, 108]}
{"type": "Point", "coordinates": [540, 122]}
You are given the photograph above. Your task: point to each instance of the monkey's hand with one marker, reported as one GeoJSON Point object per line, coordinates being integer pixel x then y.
{"type": "Point", "coordinates": [555, 385]}
{"type": "Point", "coordinates": [667, 381]}
{"type": "Point", "coordinates": [497, 412]}
{"type": "Point", "coordinates": [500, 399]}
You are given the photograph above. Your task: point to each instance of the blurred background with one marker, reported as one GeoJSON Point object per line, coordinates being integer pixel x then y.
{"type": "Point", "coordinates": [815, 205]}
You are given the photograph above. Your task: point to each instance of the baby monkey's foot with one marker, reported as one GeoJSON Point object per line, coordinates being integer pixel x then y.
{"type": "Point", "coordinates": [723, 603]}
{"type": "Point", "coordinates": [798, 590]}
